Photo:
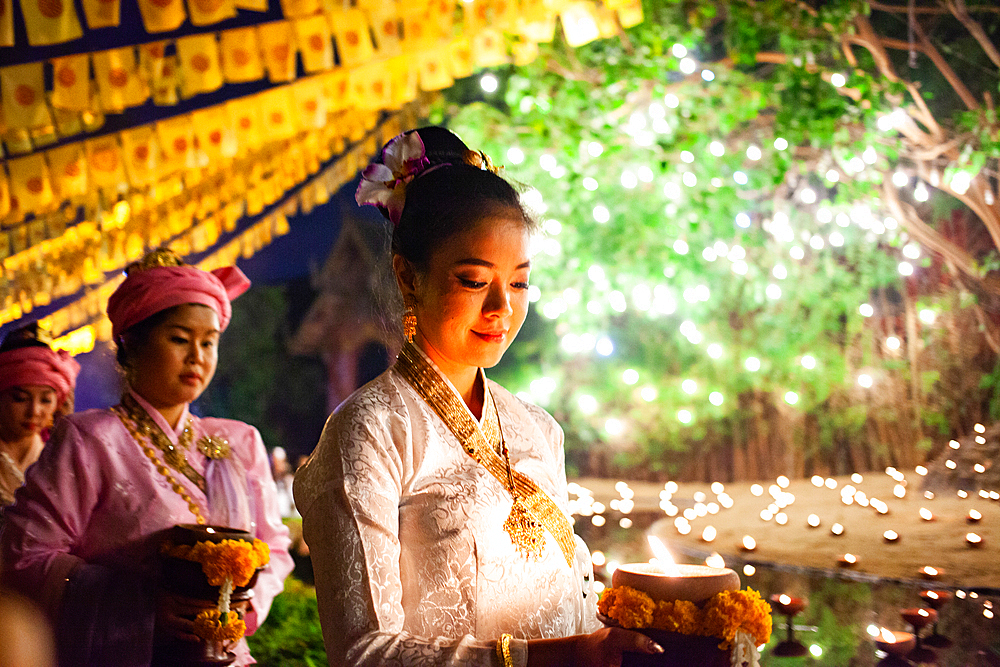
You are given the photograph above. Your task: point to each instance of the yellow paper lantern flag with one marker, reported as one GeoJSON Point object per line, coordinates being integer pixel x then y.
{"type": "Point", "coordinates": [107, 169]}
{"type": "Point", "coordinates": [371, 86]}
{"type": "Point", "coordinates": [405, 81]}
{"type": "Point", "coordinates": [177, 142]}
{"type": "Point", "coordinates": [311, 102]}
{"type": "Point", "coordinates": [207, 12]}
{"type": "Point", "coordinates": [384, 21]}
{"type": "Point", "coordinates": [22, 91]}
{"type": "Point", "coordinates": [630, 14]}
{"type": "Point", "coordinates": [68, 170]}
{"type": "Point", "coordinates": [354, 43]}
{"type": "Point", "coordinates": [160, 71]}
{"type": "Point", "coordinates": [6, 25]}
{"type": "Point", "coordinates": [244, 117]}
{"type": "Point", "coordinates": [118, 80]}
{"type": "Point", "coordinates": [201, 71]}
{"type": "Point", "coordinates": [294, 9]}
{"type": "Point", "coordinates": [162, 15]}
{"type": "Point", "coordinates": [277, 44]}
{"type": "Point", "coordinates": [241, 55]}
{"type": "Point", "coordinates": [315, 43]}
{"type": "Point", "coordinates": [4, 202]}
{"type": "Point", "coordinates": [71, 83]}
{"type": "Point", "coordinates": [461, 58]}
{"type": "Point", "coordinates": [30, 188]}
{"type": "Point", "coordinates": [277, 111]}
{"type": "Point", "coordinates": [102, 13]}
{"type": "Point", "coordinates": [215, 135]}
{"type": "Point", "coordinates": [579, 22]}
{"type": "Point", "coordinates": [488, 48]}
{"type": "Point", "coordinates": [141, 152]}
{"type": "Point", "coordinates": [50, 21]}
{"type": "Point", "coordinates": [524, 52]}
{"type": "Point", "coordinates": [433, 68]}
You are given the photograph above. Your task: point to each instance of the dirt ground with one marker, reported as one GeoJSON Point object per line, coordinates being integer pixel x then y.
{"type": "Point", "coordinates": [940, 543]}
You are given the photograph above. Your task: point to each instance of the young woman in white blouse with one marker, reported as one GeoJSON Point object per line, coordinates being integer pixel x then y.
{"type": "Point", "coordinates": [435, 505]}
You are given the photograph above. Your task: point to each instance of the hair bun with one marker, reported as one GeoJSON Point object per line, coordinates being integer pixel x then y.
{"type": "Point", "coordinates": [441, 144]}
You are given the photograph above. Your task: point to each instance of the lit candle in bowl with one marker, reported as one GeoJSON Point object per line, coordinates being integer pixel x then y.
{"type": "Point", "coordinates": [974, 516]}
{"type": "Point", "coordinates": [666, 580]}
{"type": "Point", "coordinates": [890, 536]}
{"type": "Point", "coordinates": [935, 599]}
{"type": "Point", "coordinates": [748, 543]}
{"type": "Point", "coordinates": [932, 573]}
{"type": "Point", "coordinates": [926, 514]}
{"type": "Point", "coordinates": [847, 560]}
{"type": "Point", "coordinates": [918, 617]}
{"type": "Point", "coordinates": [895, 643]}
{"type": "Point", "coordinates": [787, 605]}
{"type": "Point", "coordinates": [973, 540]}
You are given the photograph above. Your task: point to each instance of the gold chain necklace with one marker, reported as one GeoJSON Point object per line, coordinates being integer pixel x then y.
{"type": "Point", "coordinates": [146, 433]}
{"type": "Point", "coordinates": [532, 509]}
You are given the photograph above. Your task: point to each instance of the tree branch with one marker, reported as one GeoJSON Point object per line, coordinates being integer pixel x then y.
{"type": "Point", "coordinates": [931, 52]}
{"type": "Point", "coordinates": [926, 234]}
{"type": "Point", "coordinates": [961, 12]}
{"type": "Point", "coordinates": [903, 9]}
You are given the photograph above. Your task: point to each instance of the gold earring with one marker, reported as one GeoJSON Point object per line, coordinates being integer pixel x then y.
{"type": "Point", "coordinates": [409, 318]}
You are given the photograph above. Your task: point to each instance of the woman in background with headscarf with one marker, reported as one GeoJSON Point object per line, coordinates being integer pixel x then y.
{"type": "Point", "coordinates": [36, 384]}
{"type": "Point", "coordinates": [83, 537]}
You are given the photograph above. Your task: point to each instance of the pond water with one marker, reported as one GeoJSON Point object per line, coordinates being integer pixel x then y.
{"type": "Point", "coordinates": [834, 628]}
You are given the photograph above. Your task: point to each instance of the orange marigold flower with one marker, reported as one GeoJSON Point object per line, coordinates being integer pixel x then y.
{"type": "Point", "coordinates": [730, 611]}
{"type": "Point", "coordinates": [214, 626]}
{"type": "Point", "coordinates": [677, 616]}
{"type": "Point", "coordinates": [631, 608]}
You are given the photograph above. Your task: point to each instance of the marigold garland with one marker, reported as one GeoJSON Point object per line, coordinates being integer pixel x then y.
{"type": "Point", "coordinates": [226, 564]}
{"type": "Point", "coordinates": [209, 625]}
{"type": "Point", "coordinates": [228, 559]}
{"type": "Point", "coordinates": [722, 616]}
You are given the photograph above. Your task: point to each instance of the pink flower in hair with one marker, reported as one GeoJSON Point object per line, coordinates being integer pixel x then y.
{"type": "Point", "coordinates": [384, 185]}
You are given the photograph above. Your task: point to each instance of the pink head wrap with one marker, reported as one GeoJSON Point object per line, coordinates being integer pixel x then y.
{"type": "Point", "coordinates": [38, 365]}
{"type": "Point", "coordinates": [145, 293]}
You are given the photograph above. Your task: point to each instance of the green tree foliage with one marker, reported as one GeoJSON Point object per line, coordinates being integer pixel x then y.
{"type": "Point", "coordinates": [721, 220]}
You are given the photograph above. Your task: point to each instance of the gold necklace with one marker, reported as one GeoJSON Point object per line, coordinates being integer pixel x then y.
{"type": "Point", "coordinates": [140, 424]}
{"type": "Point", "coordinates": [532, 508]}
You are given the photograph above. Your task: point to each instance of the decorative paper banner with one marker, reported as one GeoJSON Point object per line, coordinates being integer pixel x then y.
{"type": "Point", "coordinates": [4, 202]}
{"type": "Point", "coordinates": [71, 83]}
{"type": "Point", "coordinates": [418, 33]}
{"type": "Point", "coordinates": [213, 130]}
{"type": "Point", "coordinates": [350, 29]}
{"type": "Point", "coordinates": [371, 86]}
{"type": "Point", "coordinates": [461, 58]}
{"type": "Point", "coordinates": [118, 80]}
{"type": "Point", "coordinates": [404, 81]}
{"type": "Point", "coordinates": [579, 21]}
{"type": "Point", "coordinates": [524, 52]}
{"type": "Point", "coordinates": [488, 48]}
{"type": "Point", "coordinates": [200, 68]}
{"type": "Point", "coordinates": [161, 71]}
{"type": "Point", "coordinates": [107, 170]}
{"type": "Point", "coordinates": [68, 170]}
{"type": "Point", "coordinates": [337, 89]}
{"type": "Point", "coordinates": [6, 27]}
{"type": "Point", "coordinates": [433, 68]}
{"type": "Point", "coordinates": [310, 102]}
{"type": "Point", "coordinates": [177, 141]}
{"type": "Point", "coordinates": [162, 15]}
{"type": "Point", "coordinates": [141, 152]}
{"type": "Point", "coordinates": [540, 29]}
{"type": "Point", "coordinates": [253, 5]}
{"type": "Point", "coordinates": [630, 14]}
{"type": "Point", "coordinates": [277, 111]}
{"type": "Point", "coordinates": [30, 188]}
{"type": "Point", "coordinates": [294, 9]}
{"type": "Point", "coordinates": [50, 21]}
{"type": "Point", "coordinates": [244, 116]}
{"type": "Point", "coordinates": [277, 45]}
{"type": "Point", "coordinates": [206, 12]}
{"type": "Point", "coordinates": [484, 14]}
{"type": "Point", "coordinates": [315, 43]}
{"type": "Point", "coordinates": [102, 13]}
{"type": "Point", "coordinates": [241, 55]}
{"type": "Point", "coordinates": [385, 23]}
{"type": "Point", "coordinates": [22, 89]}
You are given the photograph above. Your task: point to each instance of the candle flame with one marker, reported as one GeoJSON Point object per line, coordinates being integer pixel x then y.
{"type": "Point", "coordinates": [973, 514]}
{"type": "Point", "coordinates": [887, 636]}
{"type": "Point", "coordinates": [973, 538]}
{"type": "Point", "coordinates": [784, 599]}
{"type": "Point", "coordinates": [923, 612]}
{"type": "Point", "coordinates": [931, 571]}
{"type": "Point", "coordinates": [663, 557]}
{"type": "Point", "coordinates": [850, 558]}
{"type": "Point", "coordinates": [749, 543]}
{"type": "Point", "coordinates": [932, 595]}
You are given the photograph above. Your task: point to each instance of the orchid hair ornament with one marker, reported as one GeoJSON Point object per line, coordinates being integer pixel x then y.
{"type": "Point", "coordinates": [404, 158]}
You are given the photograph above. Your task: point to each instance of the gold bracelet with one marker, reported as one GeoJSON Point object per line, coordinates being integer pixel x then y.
{"type": "Point", "coordinates": [503, 650]}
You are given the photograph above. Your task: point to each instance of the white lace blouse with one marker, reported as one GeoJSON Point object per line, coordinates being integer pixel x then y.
{"type": "Point", "coordinates": [405, 529]}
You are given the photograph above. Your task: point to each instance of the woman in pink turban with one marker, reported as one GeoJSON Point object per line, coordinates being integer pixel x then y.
{"type": "Point", "coordinates": [83, 537]}
{"type": "Point", "coordinates": [36, 383]}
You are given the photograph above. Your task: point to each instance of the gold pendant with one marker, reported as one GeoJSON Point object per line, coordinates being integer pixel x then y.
{"type": "Point", "coordinates": [214, 446]}
{"type": "Point", "coordinates": [526, 533]}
